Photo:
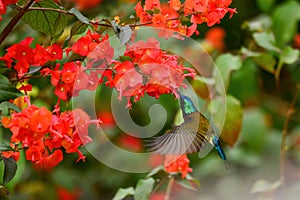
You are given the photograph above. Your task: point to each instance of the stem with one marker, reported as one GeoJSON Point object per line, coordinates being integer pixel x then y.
{"type": "Point", "coordinates": [284, 135]}
{"type": "Point", "coordinates": [169, 189]}
{"type": "Point", "coordinates": [15, 20]}
{"type": "Point", "coordinates": [277, 73]}
{"type": "Point", "coordinates": [52, 9]}
{"type": "Point", "coordinates": [159, 184]}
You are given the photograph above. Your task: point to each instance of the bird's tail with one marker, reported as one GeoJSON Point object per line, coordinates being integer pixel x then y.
{"type": "Point", "coordinates": [226, 166]}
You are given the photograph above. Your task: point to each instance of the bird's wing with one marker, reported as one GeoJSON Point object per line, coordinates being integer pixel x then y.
{"type": "Point", "coordinates": [182, 139]}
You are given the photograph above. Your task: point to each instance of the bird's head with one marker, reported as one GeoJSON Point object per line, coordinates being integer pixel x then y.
{"type": "Point", "coordinates": [187, 105]}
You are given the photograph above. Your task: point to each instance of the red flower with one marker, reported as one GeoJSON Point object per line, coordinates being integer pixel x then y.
{"type": "Point", "coordinates": [87, 43]}
{"type": "Point", "coordinates": [41, 56]}
{"type": "Point", "coordinates": [175, 4]}
{"type": "Point", "coordinates": [40, 121]}
{"type": "Point", "coordinates": [43, 134]}
{"type": "Point", "coordinates": [22, 68]}
{"type": "Point", "coordinates": [215, 37]}
{"type": "Point", "coordinates": [177, 164]}
{"type": "Point", "coordinates": [86, 4]}
{"type": "Point", "coordinates": [152, 4]}
{"type": "Point", "coordinates": [11, 154]}
{"type": "Point", "coordinates": [23, 53]}
{"type": "Point", "coordinates": [131, 143]}
{"type": "Point", "coordinates": [55, 52]}
{"type": "Point", "coordinates": [63, 91]}
{"type": "Point", "coordinates": [107, 118]}
{"type": "Point", "coordinates": [69, 73]}
{"type": "Point", "coordinates": [159, 20]}
{"type": "Point", "coordinates": [297, 40]}
{"type": "Point", "coordinates": [81, 47]}
{"type": "Point", "coordinates": [64, 194]}
{"type": "Point", "coordinates": [51, 160]}
{"type": "Point", "coordinates": [150, 70]}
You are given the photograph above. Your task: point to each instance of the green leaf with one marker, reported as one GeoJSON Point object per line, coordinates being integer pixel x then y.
{"type": "Point", "coordinates": [125, 34]}
{"type": "Point", "coordinates": [79, 16]}
{"type": "Point", "coordinates": [155, 171]}
{"type": "Point", "coordinates": [193, 180]}
{"type": "Point", "coordinates": [150, 12]}
{"type": "Point", "coordinates": [131, 20]}
{"type": "Point", "coordinates": [78, 28]}
{"type": "Point", "coordinates": [233, 118]}
{"type": "Point", "coordinates": [289, 55]}
{"type": "Point", "coordinates": [51, 23]}
{"type": "Point", "coordinates": [266, 62]}
{"type": "Point", "coordinates": [285, 22]}
{"type": "Point", "coordinates": [255, 137]}
{"type": "Point", "coordinates": [125, 58]}
{"type": "Point", "coordinates": [266, 40]}
{"type": "Point", "coordinates": [75, 57]}
{"type": "Point", "coordinates": [243, 90]}
{"type": "Point", "coordinates": [265, 5]}
{"type": "Point", "coordinates": [189, 182]}
{"type": "Point", "coordinates": [5, 147]}
{"type": "Point", "coordinates": [226, 63]}
{"type": "Point", "coordinates": [123, 192]}
{"type": "Point", "coordinates": [6, 106]}
{"type": "Point", "coordinates": [259, 23]}
{"type": "Point", "coordinates": [143, 189]}
{"type": "Point", "coordinates": [7, 90]}
{"type": "Point", "coordinates": [10, 168]}
{"type": "Point", "coordinates": [201, 86]}
{"type": "Point", "coordinates": [246, 52]}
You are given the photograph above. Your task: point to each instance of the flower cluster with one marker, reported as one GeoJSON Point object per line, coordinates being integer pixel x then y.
{"type": "Point", "coordinates": [71, 78]}
{"type": "Point", "coordinates": [21, 56]}
{"type": "Point", "coordinates": [44, 134]}
{"type": "Point", "coordinates": [173, 16]}
{"type": "Point", "coordinates": [175, 164]}
{"type": "Point", "coordinates": [86, 4]}
{"type": "Point", "coordinates": [3, 4]}
{"type": "Point", "coordinates": [148, 70]}
{"type": "Point", "coordinates": [207, 11]}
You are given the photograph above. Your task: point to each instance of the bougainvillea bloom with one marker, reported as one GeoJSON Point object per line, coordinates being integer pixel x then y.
{"type": "Point", "coordinates": [44, 134]}
{"type": "Point", "coordinates": [24, 56]}
{"type": "Point", "coordinates": [150, 70]}
{"type": "Point", "coordinates": [175, 164]}
{"type": "Point", "coordinates": [169, 15]}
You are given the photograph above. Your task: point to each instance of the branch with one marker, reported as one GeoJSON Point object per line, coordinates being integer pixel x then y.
{"type": "Point", "coordinates": [169, 189]}
{"type": "Point", "coordinates": [283, 148]}
{"type": "Point", "coordinates": [15, 19]}
{"type": "Point", "coordinates": [52, 9]}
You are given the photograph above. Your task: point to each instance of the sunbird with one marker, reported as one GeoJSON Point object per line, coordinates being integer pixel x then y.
{"type": "Point", "coordinates": [189, 137]}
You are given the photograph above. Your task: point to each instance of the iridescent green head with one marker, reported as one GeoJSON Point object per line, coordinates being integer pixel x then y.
{"type": "Point", "coordinates": [187, 105]}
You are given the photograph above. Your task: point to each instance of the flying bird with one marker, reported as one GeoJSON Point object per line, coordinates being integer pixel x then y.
{"type": "Point", "coordinates": [189, 137]}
